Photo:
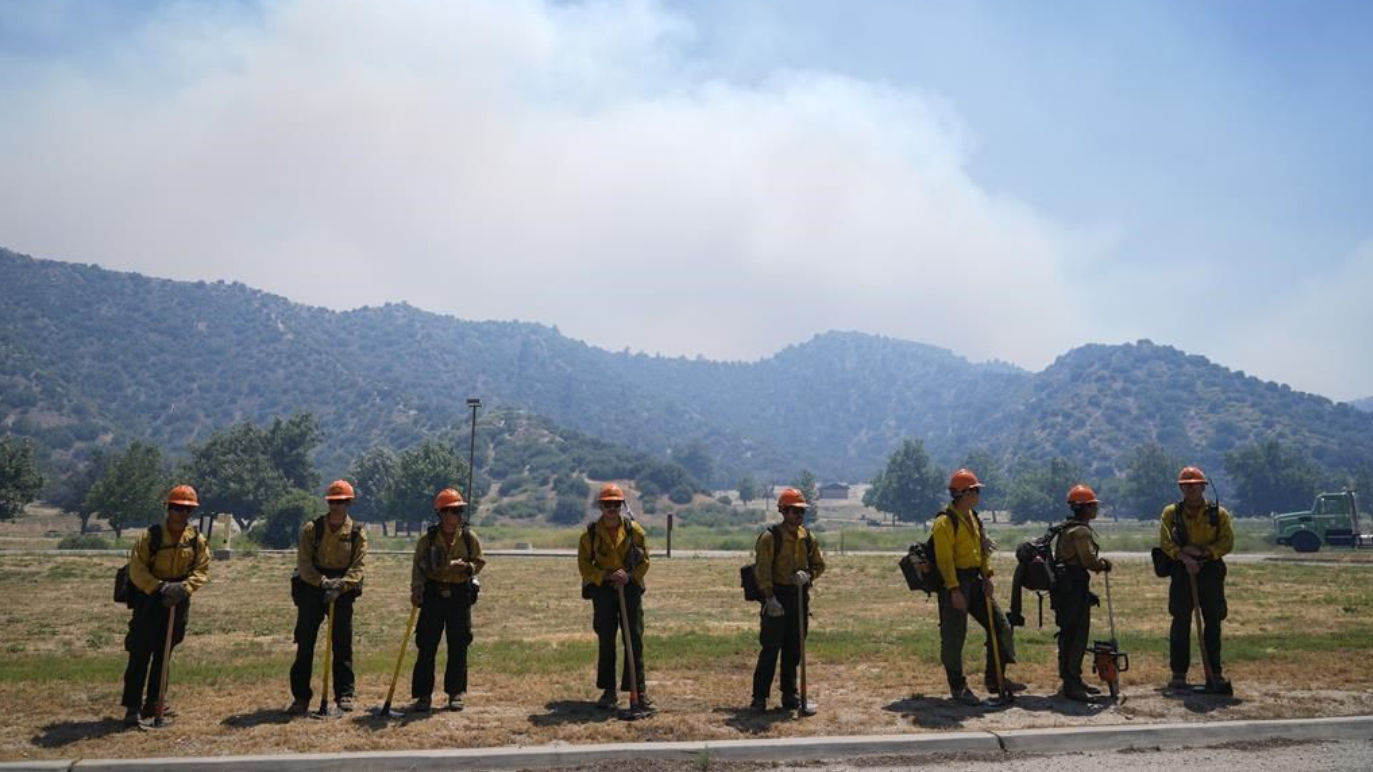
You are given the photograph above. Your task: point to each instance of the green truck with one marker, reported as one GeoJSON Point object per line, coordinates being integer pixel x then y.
{"type": "Point", "coordinates": [1332, 521]}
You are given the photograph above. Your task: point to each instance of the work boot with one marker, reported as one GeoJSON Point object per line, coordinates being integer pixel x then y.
{"type": "Point", "coordinates": [421, 705]}
{"type": "Point", "coordinates": [455, 702]}
{"type": "Point", "coordinates": [759, 705]}
{"type": "Point", "coordinates": [791, 702]}
{"type": "Point", "coordinates": [646, 705]}
{"type": "Point", "coordinates": [1076, 692]}
{"type": "Point", "coordinates": [1092, 690]}
{"type": "Point", "coordinates": [1179, 681]}
{"type": "Point", "coordinates": [1011, 686]}
{"type": "Point", "coordinates": [150, 710]}
{"type": "Point", "coordinates": [298, 708]}
{"type": "Point", "coordinates": [131, 717]}
{"type": "Point", "coordinates": [345, 703]}
{"type": "Point", "coordinates": [965, 696]}
{"type": "Point", "coordinates": [610, 699]}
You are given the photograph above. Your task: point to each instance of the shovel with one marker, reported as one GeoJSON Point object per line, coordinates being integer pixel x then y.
{"type": "Point", "coordinates": [325, 711]}
{"type": "Point", "coordinates": [807, 708]}
{"type": "Point", "coordinates": [636, 710]}
{"type": "Point", "coordinates": [1004, 696]}
{"type": "Point", "coordinates": [1213, 684]}
{"type": "Point", "coordinates": [160, 720]}
{"type": "Point", "coordinates": [385, 710]}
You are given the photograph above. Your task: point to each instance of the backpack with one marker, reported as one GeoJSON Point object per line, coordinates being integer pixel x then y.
{"type": "Point", "coordinates": [474, 586]}
{"type": "Point", "coordinates": [918, 565]}
{"type": "Point", "coordinates": [127, 592]}
{"type": "Point", "coordinates": [631, 560]}
{"type": "Point", "coordinates": [299, 586]}
{"type": "Point", "coordinates": [748, 575]}
{"type": "Point", "coordinates": [1036, 569]}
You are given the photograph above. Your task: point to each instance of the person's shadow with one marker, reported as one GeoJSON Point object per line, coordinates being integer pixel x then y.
{"type": "Point", "coordinates": [1063, 705]}
{"type": "Point", "coordinates": [750, 721]}
{"type": "Point", "coordinates": [1200, 702]}
{"type": "Point", "coordinates": [63, 733]}
{"type": "Point", "coordinates": [940, 712]}
{"type": "Point", "coordinates": [571, 712]}
{"type": "Point", "coordinates": [260, 717]}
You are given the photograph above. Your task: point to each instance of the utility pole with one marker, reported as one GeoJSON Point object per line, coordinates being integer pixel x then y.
{"type": "Point", "coordinates": [474, 403]}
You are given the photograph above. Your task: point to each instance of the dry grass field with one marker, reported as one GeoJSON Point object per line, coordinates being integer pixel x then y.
{"type": "Point", "coordinates": [1297, 644]}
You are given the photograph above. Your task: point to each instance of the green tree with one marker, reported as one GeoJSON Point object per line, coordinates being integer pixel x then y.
{"type": "Point", "coordinates": [748, 489]}
{"type": "Point", "coordinates": [284, 518]}
{"type": "Point", "coordinates": [1040, 492]}
{"type": "Point", "coordinates": [989, 472]}
{"type": "Point", "coordinates": [373, 473]}
{"type": "Point", "coordinates": [569, 510]}
{"type": "Point", "coordinates": [131, 492]}
{"type": "Point", "coordinates": [1272, 478]}
{"type": "Point", "coordinates": [910, 488]}
{"type": "Point", "coordinates": [422, 472]}
{"type": "Point", "coordinates": [72, 492]}
{"type": "Point", "coordinates": [1150, 481]}
{"type": "Point", "coordinates": [697, 460]}
{"type": "Point", "coordinates": [20, 480]}
{"type": "Point", "coordinates": [235, 473]}
{"type": "Point", "coordinates": [810, 488]}
{"type": "Point", "coordinates": [289, 444]}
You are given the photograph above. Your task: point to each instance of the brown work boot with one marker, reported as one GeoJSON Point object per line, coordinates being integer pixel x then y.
{"type": "Point", "coordinates": [759, 705]}
{"type": "Point", "coordinates": [131, 717]}
{"type": "Point", "coordinates": [610, 699]}
{"type": "Point", "coordinates": [421, 705]}
{"type": "Point", "coordinates": [455, 702]}
{"type": "Point", "coordinates": [1179, 681]}
{"type": "Point", "coordinates": [345, 703]}
{"type": "Point", "coordinates": [1092, 690]}
{"type": "Point", "coordinates": [1011, 686]}
{"type": "Point", "coordinates": [298, 708]}
{"type": "Point", "coordinates": [646, 705]}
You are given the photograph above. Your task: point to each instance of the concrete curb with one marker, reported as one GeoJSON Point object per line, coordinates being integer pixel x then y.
{"type": "Point", "coordinates": [1060, 740]}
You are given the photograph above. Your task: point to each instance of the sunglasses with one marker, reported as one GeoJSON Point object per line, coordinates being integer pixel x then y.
{"type": "Point", "coordinates": [181, 508]}
{"type": "Point", "coordinates": [610, 505]}
{"type": "Point", "coordinates": [457, 511]}
{"type": "Point", "coordinates": [795, 510]}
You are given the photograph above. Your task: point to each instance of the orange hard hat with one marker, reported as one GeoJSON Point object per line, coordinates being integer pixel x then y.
{"type": "Point", "coordinates": [963, 479]}
{"type": "Point", "coordinates": [611, 492]}
{"type": "Point", "coordinates": [183, 496]}
{"type": "Point", "coordinates": [448, 497]}
{"type": "Point", "coordinates": [792, 497]}
{"type": "Point", "coordinates": [1080, 495]}
{"type": "Point", "coordinates": [1191, 475]}
{"type": "Point", "coordinates": [339, 490]}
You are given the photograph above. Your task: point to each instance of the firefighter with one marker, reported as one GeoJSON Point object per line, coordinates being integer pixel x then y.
{"type": "Point", "coordinates": [613, 556]}
{"type": "Point", "coordinates": [1197, 535]}
{"type": "Point", "coordinates": [963, 558]}
{"type": "Point", "coordinates": [330, 564]}
{"type": "Point", "coordinates": [1077, 553]}
{"type": "Point", "coordinates": [443, 586]}
{"type": "Point", "coordinates": [168, 563]}
{"type": "Point", "coordinates": [785, 571]}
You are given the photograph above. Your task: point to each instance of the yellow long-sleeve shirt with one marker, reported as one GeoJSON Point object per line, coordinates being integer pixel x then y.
{"type": "Point", "coordinates": [785, 563]}
{"type": "Point", "coordinates": [1077, 546]}
{"type": "Point", "coordinates": [958, 548]}
{"type": "Point", "coordinates": [612, 548]}
{"type": "Point", "coordinates": [187, 556]}
{"type": "Point", "coordinates": [336, 553]}
{"type": "Point", "coordinates": [1218, 541]}
{"type": "Point", "coordinates": [432, 559]}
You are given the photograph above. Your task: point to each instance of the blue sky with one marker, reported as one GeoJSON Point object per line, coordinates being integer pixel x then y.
{"type": "Point", "coordinates": [1004, 179]}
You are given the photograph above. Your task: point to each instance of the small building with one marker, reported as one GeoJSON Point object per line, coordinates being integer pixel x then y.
{"type": "Point", "coordinates": [839, 491]}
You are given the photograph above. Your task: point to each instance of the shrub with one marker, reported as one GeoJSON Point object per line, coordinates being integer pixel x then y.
{"type": "Point", "coordinates": [78, 541]}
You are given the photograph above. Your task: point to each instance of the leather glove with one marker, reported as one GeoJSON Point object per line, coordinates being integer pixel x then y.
{"type": "Point", "coordinates": [333, 588]}
{"type": "Point", "coordinates": [173, 593]}
{"type": "Point", "coordinates": [417, 596]}
{"type": "Point", "coordinates": [800, 578]}
{"type": "Point", "coordinates": [774, 608]}
{"type": "Point", "coordinates": [1106, 565]}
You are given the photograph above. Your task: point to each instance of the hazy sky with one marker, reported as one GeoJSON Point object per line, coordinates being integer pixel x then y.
{"type": "Point", "coordinates": [724, 177]}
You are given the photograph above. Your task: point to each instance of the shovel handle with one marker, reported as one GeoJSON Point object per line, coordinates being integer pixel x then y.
{"type": "Point", "coordinates": [629, 648]}
{"type": "Point", "coordinates": [400, 658]}
{"type": "Point", "coordinates": [166, 664]}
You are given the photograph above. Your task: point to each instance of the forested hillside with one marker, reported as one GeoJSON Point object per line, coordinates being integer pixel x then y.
{"type": "Point", "coordinates": [90, 356]}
